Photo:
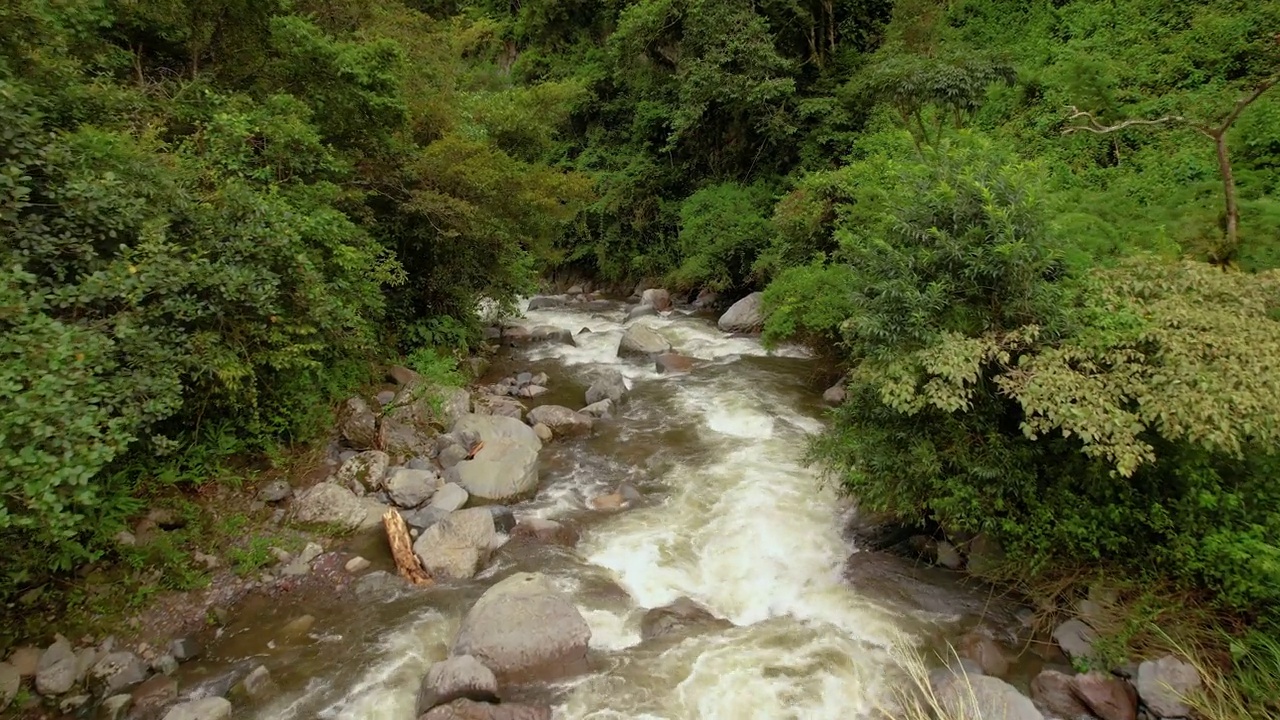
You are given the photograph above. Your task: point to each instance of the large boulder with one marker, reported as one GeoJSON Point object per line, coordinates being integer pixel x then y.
{"type": "Point", "coordinates": [551, 333]}
{"type": "Point", "coordinates": [681, 618]}
{"type": "Point", "coordinates": [57, 671]}
{"type": "Point", "coordinates": [1076, 639]}
{"type": "Point", "coordinates": [456, 547]}
{"type": "Point", "coordinates": [1052, 692]}
{"type": "Point", "coordinates": [499, 405]}
{"type": "Point", "coordinates": [411, 488]}
{"type": "Point", "coordinates": [979, 697]}
{"type": "Point", "coordinates": [642, 341]}
{"type": "Point", "coordinates": [424, 404]}
{"type": "Point", "coordinates": [610, 385]}
{"type": "Point", "coordinates": [471, 710]}
{"type": "Point", "coordinates": [210, 708]}
{"type": "Point", "coordinates": [329, 504]}
{"type": "Point", "coordinates": [543, 302]}
{"type": "Point", "coordinates": [117, 672]}
{"type": "Point", "coordinates": [744, 316]}
{"type": "Point", "coordinates": [657, 297]}
{"type": "Point", "coordinates": [363, 472]}
{"type": "Point", "coordinates": [358, 425]}
{"type": "Point", "coordinates": [547, 532]}
{"type": "Point", "coordinates": [563, 421]}
{"type": "Point", "coordinates": [1109, 697]}
{"type": "Point", "coordinates": [403, 439]}
{"type": "Point", "coordinates": [640, 311]}
{"type": "Point", "coordinates": [1165, 683]}
{"type": "Point", "coordinates": [602, 409]}
{"type": "Point", "coordinates": [505, 468]}
{"type": "Point", "coordinates": [523, 628]}
{"type": "Point", "coordinates": [456, 678]}
{"type": "Point", "coordinates": [672, 363]}
{"type": "Point", "coordinates": [985, 652]}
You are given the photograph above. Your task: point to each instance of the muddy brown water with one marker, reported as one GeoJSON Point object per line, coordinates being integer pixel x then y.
{"type": "Point", "coordinates": [730, 518]}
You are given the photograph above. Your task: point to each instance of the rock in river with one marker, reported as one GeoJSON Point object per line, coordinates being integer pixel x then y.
{"type": "Point", "coordinates": [608, 386]}
{"type": "Point", "coordinates": [523, 628]}
{"type": "Point", "coordinates": [642, 341]}
{"type": "Point", "coordinates": [411, 488]}
{"type": "Point", "coordinates": [679, 618]}
{"type": "Point", "coordinates": [210, 708]}
{"type": "Point", "coordinates": [744, 316]}
{"type": "Point", "coordinates": [456, 547]}
{"type": "Point", "coordinates": [506, 466]}
{"type": "Point", "coordinates": [363, 472]}
{"type": "Point", "coordinates": [472, 710]}
{"type": "Point", "coordinates": [456, 678]}
{"type": "Point", "coordinates": [978, 697]}
{"type": "Point", "coordinates": [563, 421]}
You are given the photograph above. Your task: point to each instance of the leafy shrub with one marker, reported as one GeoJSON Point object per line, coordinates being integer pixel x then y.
{"type": "Point", "coordinates": [723, 230]}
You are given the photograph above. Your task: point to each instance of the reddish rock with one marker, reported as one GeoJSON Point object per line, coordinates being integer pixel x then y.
{"type": "Point", "coordinates": [1109, 697]}
{"type": "Point", "coordinates": [984, 651]}
{"type": "Point", "coordinates": [673, 363]}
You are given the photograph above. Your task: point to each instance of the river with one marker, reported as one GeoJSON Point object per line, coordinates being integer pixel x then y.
{"type": "Point", "coordinates": [731, 518]}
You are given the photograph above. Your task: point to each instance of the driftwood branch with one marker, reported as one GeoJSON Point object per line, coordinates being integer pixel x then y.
{"type": "Point", "coordinates": [402, 549]}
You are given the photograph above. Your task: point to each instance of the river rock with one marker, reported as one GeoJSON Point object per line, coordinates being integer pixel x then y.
{"type": "Point", "coordinates": [985, 554]}
{"type": "Point", "coordinates": [450, 497]}
{"type": "Point", "coordinates": [545, 531]}
{"type": "Point", "coordinates": [506, 467]}
{"type": "Point", "coordinates": [499, 405]}
{"type": "Point", "coordinates": [744, 316]}
{"type": "Point", "coordinates": [1164, 683]}
{"type": "Point", "coordinates": [523, 628]}
{"type": "Point", "coordinates": [543, 302]}
{"type": "Point", "coordinates": [56, 672]}
{"type": "Point", "coordinates": [411, 488]}
{"type": "Point", "coordinates": [330, 504]}
{"type": "Point", "coordinates": [26, 660]}
{"type": "Point", "coordinates": [423, 518]}
{"type": "Point", "coordinates": [115, 707]}
{"type": "Point", "coordinates": [1052, 692]}
{"type": "Point", "coordinates": [543, 432]}
{"type": "Point", "coordinates": [574, 290]}
{"type": "Point", "coordinates": [363, 472]}
{"type": "Point", "coordinates": [639, 311]}
{"type": "Point", "coordinates": [551, 333]}
{"type": "Point", "coordinates": [210, 708]}
{"type": "Point", "coordinates": [403, 440]}
{"type": "Point", "coordinates": [379, 584]}
{"type": "Point", "coordinates": [185, 648]}
{"type": "Point", "coordinates": [471, 710]}
{"type": "Point", "coordinates": [116, 672]}
{"type": "Point", "coordinates": [1109, 697]}
{"type": "Point", "coordinates": [86, 658]}
{"type": "Point", "coordinates": [451, 455]}
{"type": "Point", "coordinates": [274, 491]}
{"type": "Point", "coordinates": [257, 685]}
{"type": "Point", "coordinates": [657, 297]}
{"type": "Point", "coordinates": [532, 391]}
{"type": "Point", "coordinates": [602, 409]}
{"type": "Point", "coordinates": [455, 547]}
{"type": "Point", "coordinates": [609, 385]}
{"type": "Point", "coordinates": [1076, 639]}
{"type": "Point", "coordinates": [563, 421]}
{"type": "Point", "coordinates": [835, 394]}
{"type": "Point", "coordinates": [356, 565]}
{"type": "Point", "coordinates": [948, 556]}
{"type": "Point", "coordinates": [358, 425]}
{"type": "Point", "coordinates": [402, 375]}
{"type": "Point", "coordinates": [642, 341]}
{"type": "Point", "coordinates": [985, 652]}
{"type": "Point", "coordinates": [10, 682]}
{"type": "Point", "coordinates": [980, 697]}
{"type": "Point", "coordinates": [681, 618]}
{"type": "Point", "coordinates": [456, 678]}
{"type": "Point", "coordinates": [672, 363]}
{"type": "Point", "coordinates": [152, 696]}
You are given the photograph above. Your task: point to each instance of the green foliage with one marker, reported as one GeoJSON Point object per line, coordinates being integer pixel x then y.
{"type": "Point", "coordinates": [723, 229]}
{"type": "Point", "coordinates": [436, 369]}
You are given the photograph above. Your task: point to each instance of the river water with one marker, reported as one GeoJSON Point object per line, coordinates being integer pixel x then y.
{"type": "Point", "coordinates": [731, 518]}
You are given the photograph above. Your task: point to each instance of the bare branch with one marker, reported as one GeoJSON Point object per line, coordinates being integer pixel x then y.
{"type": "Point", "coordinates": [1092, 125]}
{"type": "Point", "coordinates": [1245, 102]}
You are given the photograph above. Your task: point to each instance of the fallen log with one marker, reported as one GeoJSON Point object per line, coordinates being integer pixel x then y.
{"type": "Point", "coordinates": [402, 549]}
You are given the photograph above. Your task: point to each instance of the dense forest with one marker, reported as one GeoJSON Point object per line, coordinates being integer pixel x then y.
{"type": "Point", "coordinates": [1039, 235]}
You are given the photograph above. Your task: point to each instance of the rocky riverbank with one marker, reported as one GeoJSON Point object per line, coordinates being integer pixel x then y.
{"type": "Point", "coordinates": [467, 472]}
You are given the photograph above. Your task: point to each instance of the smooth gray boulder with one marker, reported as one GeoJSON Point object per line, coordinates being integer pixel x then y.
{"type": "Point", "coordinates": [551, 333]}
{"type": "Point", "coordinates": [456, 678]}
{"type": "Point", "coordinates": [609, 385]}
{"type": "Point", "coordinates": [1076, 639]}
{"type": "Point", "coordinates": [835, 395]}
{"type": "Point", "coordinates": [210, 708]}
{"type": "Point", "coordinates": [601, 409]}
{"type": "Point", "coordinates": [543, 302]}
{"type": "Point", "coordinates": [456, 547]}
{"type": "Point", "coordinates": [639, 311]}
{"type": "Point", "coordinates": [499, 405]}
{"type": "Point", "coordinates": [116, 672]}
{"type": "Point", "coordinates": [1165, 683]}
{"type": "Point", "coordinates": [980, 697]}
{"type": "Point", "coordinates": [506, 466]}
{"type": "Point", "coordinates": [657, 297]}
{"type": "Point", "coordinates": [563, 421]}
{"type": "Point", "coordinates": [450, 497]}
{"type": "Point", "coordinates": [411, 488]}
{"type": "Point", "coordinates": [744, 316]}
{"type": "Point", "coordinates": [679, 618]}
{"type": "Point", "coordinates": [363, 472]}
{"type": "Point", "coordinates": [329, 504]}
{"type": "Point", "coordinates": [640, 340]}
{"type": "Point", "coordinates": [57, 671]}
{"type": "Point", "coordinates": [522, 628]}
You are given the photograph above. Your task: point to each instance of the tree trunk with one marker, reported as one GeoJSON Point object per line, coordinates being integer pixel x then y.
{"type": "Point", "coordinates": [1229, 192]}
{"type": "Point", "coordinates": [402, 549]}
